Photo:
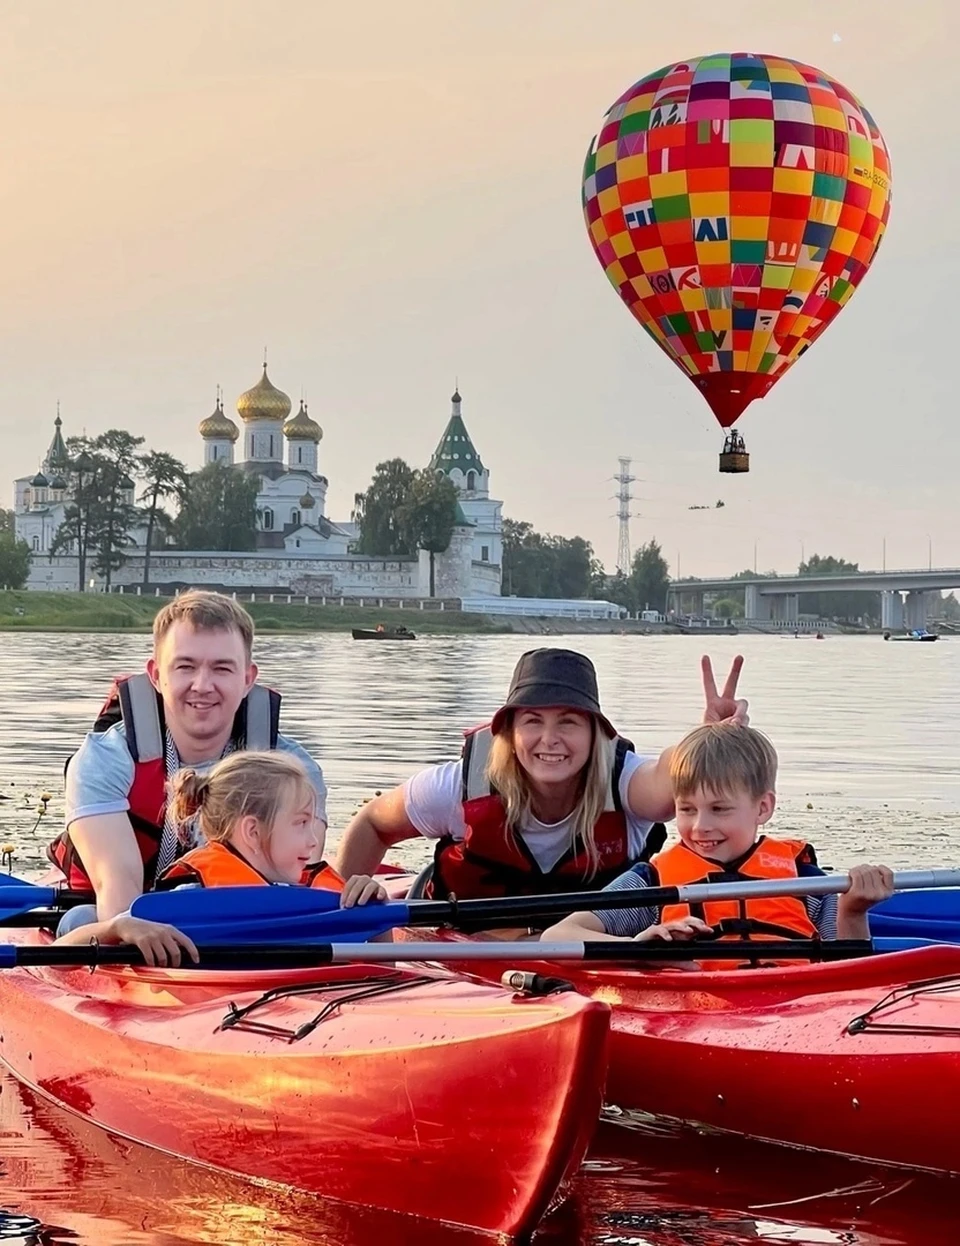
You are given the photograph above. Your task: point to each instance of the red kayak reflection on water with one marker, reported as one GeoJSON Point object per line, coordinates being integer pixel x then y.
{"type": "Point", "coordinates": [63, 1181]}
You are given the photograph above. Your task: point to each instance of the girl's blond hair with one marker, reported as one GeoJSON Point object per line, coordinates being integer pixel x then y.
{"type": "Point", "coordinates": [724, 758]}
{"type": "Point", "coordinates": [509, 779]}
{"type": "Point", "coordinates": [245, 784]}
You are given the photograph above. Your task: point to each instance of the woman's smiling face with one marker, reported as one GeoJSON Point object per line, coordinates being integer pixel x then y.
{"type": "Point", "coordinates": [552, 745]}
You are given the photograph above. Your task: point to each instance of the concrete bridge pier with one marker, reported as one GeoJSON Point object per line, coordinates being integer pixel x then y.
{"type": "Point", "coordinates": [785, 607]}
{"type": "Point", "coordinates": [918, 609]}
{"type": "Point", "coordinates": [756, 605]}
{"type": "Point", "coordinates": [685, 601]}
{"type": "Point", "coordinates": [891, 610]}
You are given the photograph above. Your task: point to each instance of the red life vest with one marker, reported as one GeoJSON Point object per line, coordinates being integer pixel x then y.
{"type": "Point", "coordinates": [134, 701]}
{"type": "Point", "coordinates": [493, 860]}
{"type": "Point", "coordinates": [220, 865]}
{"type": "Point", "coordinates": [776, 917]}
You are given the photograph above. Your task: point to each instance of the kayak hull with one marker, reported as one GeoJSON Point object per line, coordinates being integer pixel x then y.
{"type": "Point", "coordinates": [440, 1098]}
{"type": "Point", "coordinates": [770, 1053]}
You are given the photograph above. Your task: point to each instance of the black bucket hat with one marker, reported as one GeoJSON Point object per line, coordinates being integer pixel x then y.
{"type": "Point", "coordinates": [553, 677]}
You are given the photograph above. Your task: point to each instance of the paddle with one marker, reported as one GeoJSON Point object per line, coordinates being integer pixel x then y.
{"type": "Point", "coordinates": [292, 914]}
{"type": "Point", "coordinates": [298, 955]}
{"type": "Point", "coordinates": [18, 897]}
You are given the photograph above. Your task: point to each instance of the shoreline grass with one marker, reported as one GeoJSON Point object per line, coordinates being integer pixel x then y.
{"type": "Point", "coordinates": [102, 612]}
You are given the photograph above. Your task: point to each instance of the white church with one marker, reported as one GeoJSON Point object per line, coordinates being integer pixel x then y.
{"type": "Point", "coordinates": [299, 550]}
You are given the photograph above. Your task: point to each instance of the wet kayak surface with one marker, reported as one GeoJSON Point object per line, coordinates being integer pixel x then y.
{"type": "Point", "coordinates": [63, 1180]}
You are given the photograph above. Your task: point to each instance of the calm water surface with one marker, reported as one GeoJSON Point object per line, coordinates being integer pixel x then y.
{"type": "Point", "coordinates": [868, 739]}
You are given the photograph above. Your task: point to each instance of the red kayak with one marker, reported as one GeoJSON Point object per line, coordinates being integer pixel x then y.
{"type": "Point", "coordinates": [407, 1090]}
{"type": "Point", "coordinates": [858, 1057]}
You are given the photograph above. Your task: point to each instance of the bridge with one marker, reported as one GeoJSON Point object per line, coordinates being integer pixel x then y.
{"type": "Point", "coordinates": [776, 598]}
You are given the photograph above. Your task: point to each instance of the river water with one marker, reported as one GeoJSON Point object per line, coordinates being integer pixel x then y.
{"type": "Point", "coordinates": [867, 734]}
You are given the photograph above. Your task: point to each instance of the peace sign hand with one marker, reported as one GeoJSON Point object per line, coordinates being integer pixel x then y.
{"type": "Point", "coordinates": [723, 706]}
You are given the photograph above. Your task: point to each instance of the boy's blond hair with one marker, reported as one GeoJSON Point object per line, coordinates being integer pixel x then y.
{"type": "Point", "coordinates": [207, 612]}
{"type": "Point", "coordinates": [723, 758]}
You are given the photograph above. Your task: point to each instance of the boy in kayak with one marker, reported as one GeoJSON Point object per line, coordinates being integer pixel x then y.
{"type": "Point", "coordinates": [256, 813]}
{"type": "Point", "coordinates": [724, 779]}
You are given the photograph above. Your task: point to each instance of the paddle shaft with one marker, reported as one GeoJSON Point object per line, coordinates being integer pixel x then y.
{"type": "Point", "coordinates": [514, 910]}
{"type": "Point", "coordinates": [306, 956]}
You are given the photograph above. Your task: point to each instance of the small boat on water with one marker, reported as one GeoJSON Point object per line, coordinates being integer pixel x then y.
{"type": "Point", "coordinates": [918, 634]}
{"type": "Point", "coordinates": [408, 1090]}
{"type": "Point", "coordinates": [383, 633]}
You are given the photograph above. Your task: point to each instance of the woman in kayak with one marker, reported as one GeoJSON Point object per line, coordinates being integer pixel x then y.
{"type": "Point", "coordinates": [253, 815]}
{"type": "Point", "coordinates": [724, 779]}
{"type": "Point", "coordinates": [547, 798]}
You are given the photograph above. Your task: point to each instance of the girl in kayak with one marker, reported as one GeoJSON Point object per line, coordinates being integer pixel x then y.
{"type": "Point", "coordinates": [723, 777]}
{"type": "Point", "coordinates": [253, 814]}
{"type": "Point", "coordinates": [546, 798]}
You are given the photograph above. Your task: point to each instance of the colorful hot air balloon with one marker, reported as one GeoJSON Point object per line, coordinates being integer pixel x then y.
{"type": "Point", "coordinates": [735, 203]}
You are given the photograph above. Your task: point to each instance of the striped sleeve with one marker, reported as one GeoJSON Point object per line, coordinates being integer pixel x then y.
{"type": "Point", "coordinates": [627, 922]}
{"type": "Point", "coordinates": [822, 911]}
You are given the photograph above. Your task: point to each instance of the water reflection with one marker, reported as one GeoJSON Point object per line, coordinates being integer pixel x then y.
{"type": "Point", "coordinates": [64, 1180]}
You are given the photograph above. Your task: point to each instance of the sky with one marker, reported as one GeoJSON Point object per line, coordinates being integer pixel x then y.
{"type": "Point", "coordinates": [387, 197]}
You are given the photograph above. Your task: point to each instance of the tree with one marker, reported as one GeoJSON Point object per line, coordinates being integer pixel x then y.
{"type": "Point", "coordinates": [429, 515]}
{"type": "Point", "coordinates": [164, 477]}
{"type": "Point", "coordinates": [650, 578]}
{"type": "Point", "coordinates": [841, 605]}
{"type": "Point", "coordinates": [7, 520]}
{"type": "Point", "coordinates": [951, 608]}
{"type": "Point", "coordinates": [14, 560]}
{"type": "Point", "coordinates": [218, 510]}
{"type": "Point", "coordinates": [380, 512]}
{"type": "Point", "coordinates": [535, 565]}
{"type": "Point", "coordinates": [573, 566]}
{"type": "Point", "coordinates": [79, 532]}
{"type": "Point", "coordinates": [116, 453]}
{"type": "Point", "coordinates": [728, 608]}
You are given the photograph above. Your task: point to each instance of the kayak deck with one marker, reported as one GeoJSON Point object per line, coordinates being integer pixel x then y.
{"type": "Point", "coordinates": [408, 1090]}
{"type": "Point", "coordinates": [780, 1054]}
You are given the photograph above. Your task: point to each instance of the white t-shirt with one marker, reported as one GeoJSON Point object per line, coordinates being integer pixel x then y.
{"type": "Point", "coordinates": [433, 801]}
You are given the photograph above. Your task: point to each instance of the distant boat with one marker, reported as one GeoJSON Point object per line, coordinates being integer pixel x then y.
{"type": "Point", "coordinates": [385, 633]}
{"type": "Point", "coordinates": [919, 634]}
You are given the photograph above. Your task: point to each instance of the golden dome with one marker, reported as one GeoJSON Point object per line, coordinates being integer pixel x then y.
{"type": "Point", "coordinates": [302, 427]}
{"type": "Point", "coordinates": [308, 501]}
{"type": "Point", "coordinates": [263, 402]}
{"type": "Point", "coordinates": [219, 426]}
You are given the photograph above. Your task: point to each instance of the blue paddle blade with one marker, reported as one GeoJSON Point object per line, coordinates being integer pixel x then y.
{"type": "Point", "coordinates": [267, 915]}
{"type": "Point", "coordinates": [17, 896]}
{"type": "Point", "coordinates": [903, 945]}
{"type": "Point", "coordinates": [923, 914]}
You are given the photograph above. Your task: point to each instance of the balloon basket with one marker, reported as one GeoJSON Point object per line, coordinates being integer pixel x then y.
{"type": "Point", "coordinates": [735, 461]}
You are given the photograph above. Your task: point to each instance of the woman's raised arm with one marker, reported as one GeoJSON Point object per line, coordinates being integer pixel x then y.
{"type": "Point", "coordinates": [378, 825]}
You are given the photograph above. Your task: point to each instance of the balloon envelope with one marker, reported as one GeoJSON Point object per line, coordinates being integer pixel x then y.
{"type": "Point", "coordinates": [735, 202]}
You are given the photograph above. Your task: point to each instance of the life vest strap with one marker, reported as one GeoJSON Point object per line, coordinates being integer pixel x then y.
{"type": "Point", "coordinates": [139, 704]}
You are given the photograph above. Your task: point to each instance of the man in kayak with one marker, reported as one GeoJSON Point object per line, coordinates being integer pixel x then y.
{"type": "Point", "coordinates": [724, 779]}
{"type": "Point", "coordinates": [547, 798]}
{"type": "Point", "coordinates": [256, 813]}
{"type": "Point", "coordinates": [198, 701]}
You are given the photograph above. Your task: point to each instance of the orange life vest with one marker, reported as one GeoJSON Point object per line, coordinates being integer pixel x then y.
{"type": "Point", "coordinates": [220, 865]}
{"type": "Point", "coordinates": [776, 917]}
{"type": "Point", "coordinates": [135, 702]}
{"type": "Point", "coordinates": [492, 860]}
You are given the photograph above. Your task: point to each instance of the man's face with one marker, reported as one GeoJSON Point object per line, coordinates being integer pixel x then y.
{"type": "Point", "coordinates": [202, 675]}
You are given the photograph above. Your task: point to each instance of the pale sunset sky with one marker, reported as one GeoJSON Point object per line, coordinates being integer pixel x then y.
{"type": "Point", "coordinates": [387, 196]}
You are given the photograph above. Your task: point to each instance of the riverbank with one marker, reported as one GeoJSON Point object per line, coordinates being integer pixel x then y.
{"type": "Point", "coordinates": [108, 612]}
{"type": "Point", "coordinates": [101, 612]}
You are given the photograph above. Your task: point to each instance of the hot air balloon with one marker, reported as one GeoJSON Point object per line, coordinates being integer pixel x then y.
{"type": "Point", "coordinates": [735, 202]}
